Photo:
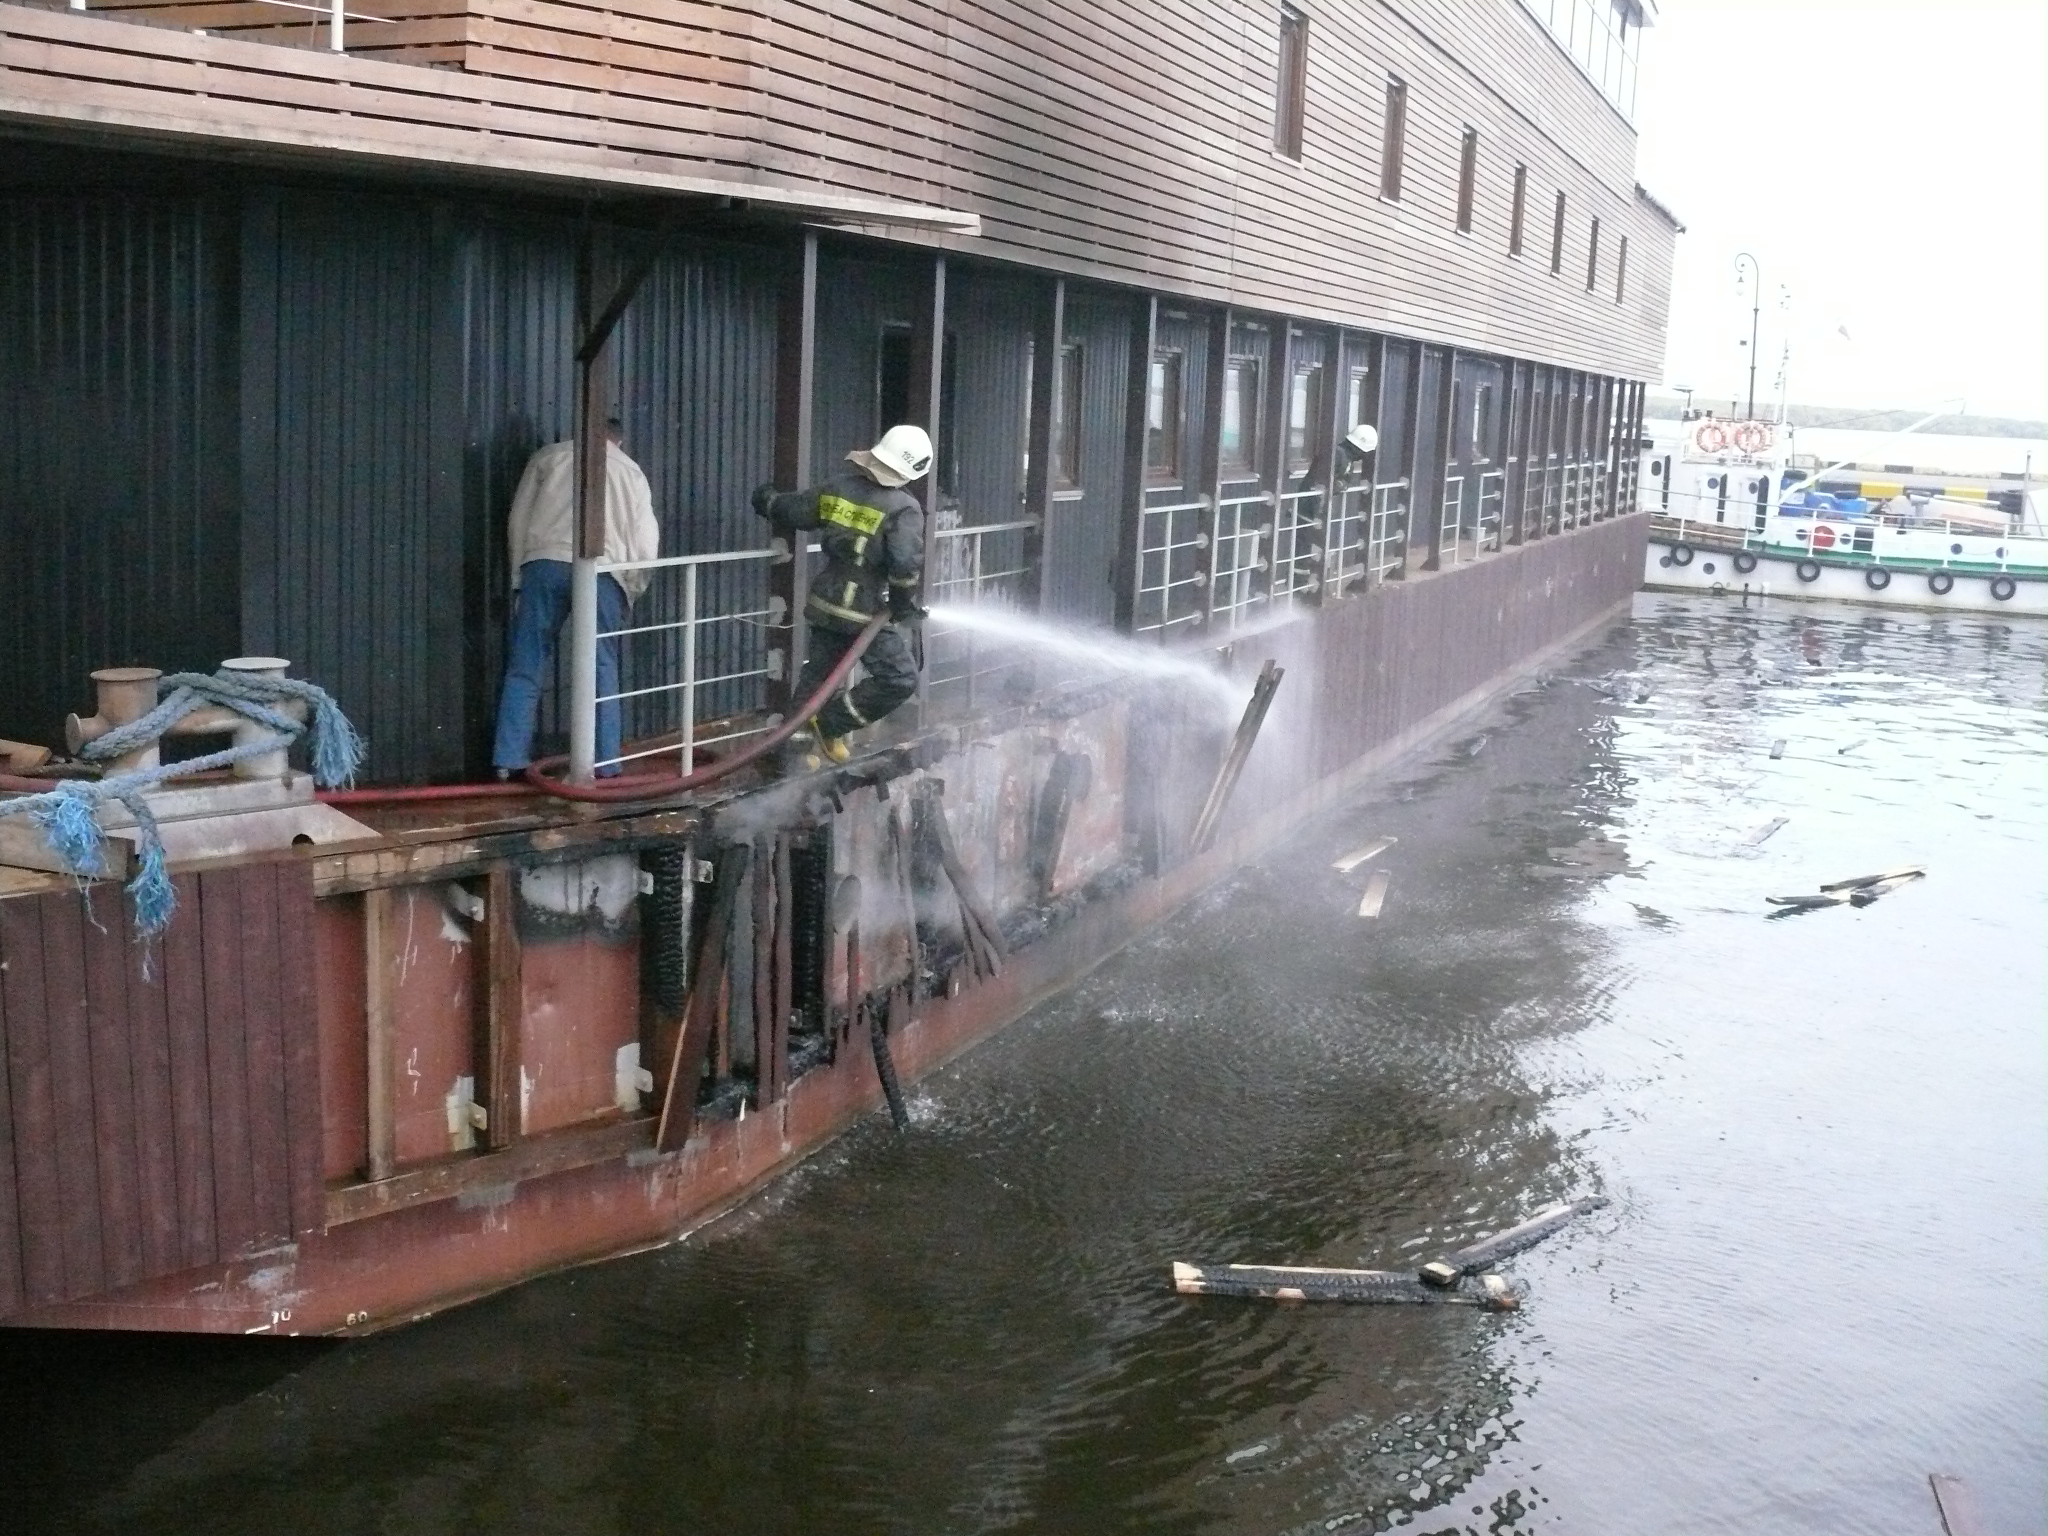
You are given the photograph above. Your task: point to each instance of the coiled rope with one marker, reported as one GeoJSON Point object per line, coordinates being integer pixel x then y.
{"type": "Point", "coordinates": [68, 818]}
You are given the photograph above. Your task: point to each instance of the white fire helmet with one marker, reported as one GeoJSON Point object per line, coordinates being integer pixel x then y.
{"type": "Point", "coordinates": [1362, 439]}
{"type": "Point", "coordinates": [903, 455]}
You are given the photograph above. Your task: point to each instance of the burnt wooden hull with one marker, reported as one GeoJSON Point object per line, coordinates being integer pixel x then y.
{"type": "Point", "coordinates": [139, 1191]}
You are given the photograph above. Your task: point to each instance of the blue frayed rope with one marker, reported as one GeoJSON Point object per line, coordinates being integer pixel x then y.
{"type": "Point", "coordinates": [68, 815]}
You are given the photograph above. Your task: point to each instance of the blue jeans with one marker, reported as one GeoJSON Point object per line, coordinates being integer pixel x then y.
{"type": "Point", "coordinates": [538, 611]}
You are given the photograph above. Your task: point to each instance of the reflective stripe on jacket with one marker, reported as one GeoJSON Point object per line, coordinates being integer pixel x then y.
{"type": "Point", "coordinates": [873, 536]}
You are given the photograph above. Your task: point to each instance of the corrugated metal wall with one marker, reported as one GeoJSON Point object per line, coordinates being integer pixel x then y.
{"type": "Point", "coordinates": [118, 478]}
{"type": "Point", "coordinates": [1081, 541]}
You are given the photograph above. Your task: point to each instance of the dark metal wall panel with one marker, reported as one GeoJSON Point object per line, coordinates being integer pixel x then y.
{"type": "Point", "coordinates": [118, 451]}
{"type": "Point", "coordinates": [860, 296]}
{"type": "Point", "coordinates": [352, 531]}
{"type": "Point", "coordinates": [988, 323]}
{"type": "Point", "coordinates": [1080, 543]}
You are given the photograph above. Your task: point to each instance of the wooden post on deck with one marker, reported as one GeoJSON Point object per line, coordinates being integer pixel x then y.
{"type": "Point", "coordinates": [497, 1055]}
{"type": "Point", "coordinates": [382, 1159]}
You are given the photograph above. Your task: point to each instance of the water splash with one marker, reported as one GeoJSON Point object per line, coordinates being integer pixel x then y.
{"type": "Point", "coordinates": [1095, 654]}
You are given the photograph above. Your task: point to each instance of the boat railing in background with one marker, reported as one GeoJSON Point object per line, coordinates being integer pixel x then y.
{"type": "Point", "coordinates": [1387, 548]}
{"type": "Point", "coordinates": [1493, 490]}
{"type": "Point", "coordinates": [975, 564]}
{"type": "Point", "coordinates": [669, 650]}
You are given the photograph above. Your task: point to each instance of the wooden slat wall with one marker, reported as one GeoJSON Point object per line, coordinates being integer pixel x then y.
{"type": "Point", "coordinates": [1131, 144]}
{"type": "Point", "coordinates": [159, 1105]}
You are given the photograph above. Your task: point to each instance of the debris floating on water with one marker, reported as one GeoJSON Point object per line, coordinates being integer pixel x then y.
{"type": "Point", "coordinates": [1860, 892]}
{"type": "Point", "coordinates": [1766, 830]}
{"type": "Point", "coordinates": [1489, 1251]}
{"type": "Point", "coordinates": [1839, 751]}
{"type": "Point", "coordinates": [1358, 856]}
{"type": "Point", "coordinates": [1778, 748]}
{"type": "Point", "coordinates": [1956, 1505]}
{"type": "Point", "coordinates": [1382, 1287]}
{"type": "Point", "coordinates": [1375, 893]}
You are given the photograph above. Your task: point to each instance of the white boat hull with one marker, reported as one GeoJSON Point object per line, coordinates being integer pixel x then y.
{"type": "Point", "coordinates": [1713, 570]}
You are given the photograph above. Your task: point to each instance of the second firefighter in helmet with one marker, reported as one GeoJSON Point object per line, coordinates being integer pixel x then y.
{"type": "Point", "coordinates": [872, 531]}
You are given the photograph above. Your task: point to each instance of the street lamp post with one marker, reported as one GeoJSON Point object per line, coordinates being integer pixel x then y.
{"type": "Point", "coordinates": [1756, 299]}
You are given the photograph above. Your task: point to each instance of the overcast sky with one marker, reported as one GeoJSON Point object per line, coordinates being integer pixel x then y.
{"type": "Point", "coordinates": [1884, 161]}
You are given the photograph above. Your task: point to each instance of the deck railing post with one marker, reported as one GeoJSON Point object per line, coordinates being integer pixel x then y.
{"type": "Point", "coordinates": [335, 18]}
{"type": "Point", "coordinates": [689, 668]}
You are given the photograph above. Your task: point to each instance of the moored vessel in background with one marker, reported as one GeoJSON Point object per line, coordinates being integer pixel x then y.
{"type": "Point", "coordinates": [1731, 512]}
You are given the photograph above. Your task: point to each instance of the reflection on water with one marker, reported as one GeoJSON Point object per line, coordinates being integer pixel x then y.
{"type": "Point", "coordinates": [1820, 1277]}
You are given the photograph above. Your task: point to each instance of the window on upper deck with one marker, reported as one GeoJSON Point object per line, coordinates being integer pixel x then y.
{"type": "Point", "coordinates": [1557, 238]}
{"type": "Point", "coordinates": [1520, 211]}
{"type": "Point", "coordinates": [1239, 438]}
{"type": "Point", "coordinates": [1290, 90]}
{"type": "Point", "coordinates": [1593, 256]}
{"type": "Point", "coordinates": [1066, 448]}
{"type": "Point", "coordinates": [1393, 138]}
{"type": "Point", "coordinates": [1163, 418]}
{"type": "Point", "coordinates": [1621, 270]}
{"type": "Point", "coordinates": [1304, 417]}
{"type": "Point", "coordinates": [1468, 172]}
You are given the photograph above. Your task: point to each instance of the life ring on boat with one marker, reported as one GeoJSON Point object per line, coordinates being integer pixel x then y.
{"type": "Point", "coordinates": [1681, 554]}
{"type": "Point", "coordinates": [2003, 587]}
{"type": "Point", "coordinates": [1941, 583]}
{"type": "Point", "coordinates": [1807, 570]}
{"type": "Point", "coordinates": [1877, 578]}
{"type": "Point", "coordinates": [1823, 536]}
{"type": "Point", "coordinates": [1752, 437]}
{"type": "Point", "coordinates": [1709, 437]}
{"type": "Point", "coordinates": [1744, 562]}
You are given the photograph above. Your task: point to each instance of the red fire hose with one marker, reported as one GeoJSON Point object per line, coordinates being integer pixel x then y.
{"type": "Point", "coordinates": [627, 787]}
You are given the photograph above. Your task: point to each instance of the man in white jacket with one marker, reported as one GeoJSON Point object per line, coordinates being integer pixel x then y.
{"type": "Point", "coordinates": [542, 533]}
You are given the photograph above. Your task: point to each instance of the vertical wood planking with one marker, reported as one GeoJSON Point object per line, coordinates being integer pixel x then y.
{"type": "Point", "coordinates": [64, 1005]}
{"type": "Point", "coordinates": [299, 1017]}
{"type": "Point", "coordinates": [181, 961]}
{"type": "Point", "coordinates": [379, 1024]}
{"type": "Point", "coordinates": [155, 1122]}
{"type": "Point", "coordinates": [498, 1051]}
{"type": "Point", "coordinates": [14, 1237]}
{"type": "Point", "coordinates": [263, 1051]}
{"type": "Point", "coordinates": [104, 969]}
{"type": "Point", "coordinates": [762, 970]}
{"type": "Point", "coordinates": [227, 1060]}
{"type": "Point", "coordinates": [781, 963]}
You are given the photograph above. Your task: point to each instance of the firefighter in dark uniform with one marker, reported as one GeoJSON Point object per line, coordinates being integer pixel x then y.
{"type": "Point", "coordinates": [872, 531]}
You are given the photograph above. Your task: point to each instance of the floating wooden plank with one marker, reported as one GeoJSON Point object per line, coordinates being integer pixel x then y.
{"type": "Point", "coordinates": [1294, 1282]}
{"type": "Point", "coordinates": [1902, 873]}
{"type": "Point", "coordinates": [1358, 856]}
{"type": "Point", "coordinates": [707, 982]}
{"type": "Point", "coordinates": [1375, 893]}
{"type": "Point", "coordinates": [1864, 895]}
{"type": "Point", "coordinates": [1766, 830]}
{"type": "Point", "coordinates": [1956, 1505]}
{"type": "Point", "coordinates": [1489, 1251]}
{"type": "Point", "coordinates": [1807, 903]}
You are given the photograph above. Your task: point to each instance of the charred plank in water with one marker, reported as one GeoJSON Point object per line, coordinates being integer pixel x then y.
{"type": "Point", "coordinates": [1358, 856]}
{"type": "Point", "coordinates": [1295, 1282]}
{"type": "Point", "coordinates": [679, 1092]}
{"type": "Point", "coordinates": [1489, 1251]}
{"type": "Point", "coordinates": [1234, 760]}
{"type": "Point", "coordinates": [1900, 875]}
{"type": "Point", "coordinates": [1956, 1505]}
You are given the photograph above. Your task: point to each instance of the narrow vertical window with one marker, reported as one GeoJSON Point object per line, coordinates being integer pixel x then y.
{"type": "Point", "coordinates": [1468, 171]}
{"type": "Point", "coordinates": [1066, 453]}
{"type": "Point", "coordinates": [1290, 91]}
{"type": "Point", "coordinates": [1520, 209]}
{"type": "Point", "coordinates": [1240, 434]}
{"type": "Point", "coordinates": [1393, 139]}
{"type": "Point", "coordinates": [1593, 256]}
{"type": "Point", "coordinates": [1557, 238]}
{"type": "Point", "coordinates": [1304, 415]}
{"type": "Point", "coordinates": [1621, 270]}
{"type": "Point", "coordinates": [1162, 419]}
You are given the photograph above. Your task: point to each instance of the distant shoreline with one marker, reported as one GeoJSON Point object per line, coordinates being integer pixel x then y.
{"type": "Point", "coordinates": [1858, 419]}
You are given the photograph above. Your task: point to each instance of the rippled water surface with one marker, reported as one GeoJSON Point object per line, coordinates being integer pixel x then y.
{"type": "Point", "coordinates": [1821, 1276]}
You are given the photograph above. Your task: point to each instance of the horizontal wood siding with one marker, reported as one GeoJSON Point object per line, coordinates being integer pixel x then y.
{"type": "Point", "coordinates": [159, 1103]}
{"type": "Point", "coordinates": [1127, 144]}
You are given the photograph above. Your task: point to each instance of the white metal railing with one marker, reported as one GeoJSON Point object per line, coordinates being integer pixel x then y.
{"type": "Point", "coordinates": [1387, 550]}
{"type": "Point", "coordinates": [965, 570]}
{"type": "Point", "coordinates": [1450, 522]}
{"type": "Point", "coordinates": [1297, 524]}
{"type": "Point", "coordinates": [1239, 556]}
{"type": "Point", "coordinates": [1346, 538]}
{"type": "Point", "coordinates": [1163, 535]}
{"type": "Point", "coordinates": [676, 663]}
{"type": "Point", "coordinates": [333, 11]}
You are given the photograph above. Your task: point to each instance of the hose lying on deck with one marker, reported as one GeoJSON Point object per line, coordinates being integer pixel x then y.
{"type": "Point", "coordinates": [630, 787]}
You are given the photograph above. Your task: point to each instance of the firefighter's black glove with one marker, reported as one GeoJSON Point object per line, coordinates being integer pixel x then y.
{"type": "Point", "coordinates": [764, 497]}
{"type": "Point", "coordinates": [904, 609]}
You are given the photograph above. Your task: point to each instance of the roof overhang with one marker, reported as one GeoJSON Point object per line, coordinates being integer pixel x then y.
{"type": "Point", "coordinates": [1643, 196]}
